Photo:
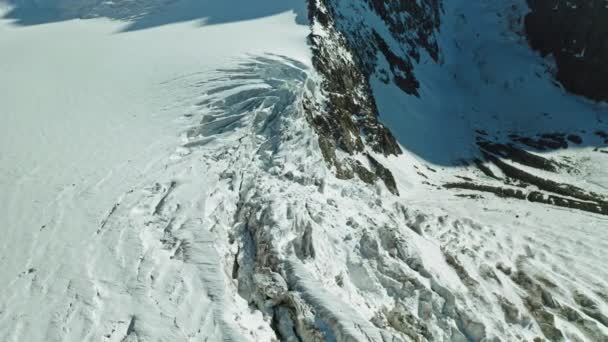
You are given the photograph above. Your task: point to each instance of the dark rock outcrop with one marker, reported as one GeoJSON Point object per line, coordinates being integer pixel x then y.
{"type": "Point", "coordinates": [411, 25]}
{"type": "Point", "coordinates": [575, 32]}
{"type": "Point", "coordinates": [348, 120]}
{"type": "Point", "coordinates": [347, 51]}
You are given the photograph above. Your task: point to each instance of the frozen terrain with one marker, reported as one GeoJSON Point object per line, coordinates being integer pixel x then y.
{"type": "Point", "coordinates": [89, 115]}
{"type": "Point", "coordinates": [161, 181]}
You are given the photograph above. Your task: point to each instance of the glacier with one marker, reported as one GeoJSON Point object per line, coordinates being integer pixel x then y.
{"type": "Point", "coordinates": [261, 171]}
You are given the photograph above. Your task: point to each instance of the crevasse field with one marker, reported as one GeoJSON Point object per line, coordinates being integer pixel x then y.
{"type": "Point", "coordinates": [90, 111]}
{"type": "Point", "coordinates": [160, 181]}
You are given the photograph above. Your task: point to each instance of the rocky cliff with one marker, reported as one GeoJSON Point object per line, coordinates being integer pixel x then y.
{"type": "Point", "coordinates": [575, 32]}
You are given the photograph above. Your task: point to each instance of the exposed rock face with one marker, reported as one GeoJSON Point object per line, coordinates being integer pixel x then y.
{"type": "Point", "coordinates": [346, 53]}
{"type": "Point", "coordinates": [575, 32]}
{"type": "Point", "coordinates": [348, 120]}
{"type": "Point", "coordinates": [411, 28]}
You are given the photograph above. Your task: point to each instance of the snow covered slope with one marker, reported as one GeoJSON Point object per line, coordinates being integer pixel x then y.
{"type": "Point", "coordinates": [499, 170]}
{"type": "Point", "coordinates": [89, 115]}
{"type": "Point", "coordinates": [200, 171]}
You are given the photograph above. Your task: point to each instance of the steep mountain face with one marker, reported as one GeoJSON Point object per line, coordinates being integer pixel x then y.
{"type": "Point", "coordinates": [345, 53]}
{"type": "Point", "coordinates": [348, 120]}
{"type": "Point", "coordinates": [385, 42]}
{"type": "Point", "coordinates": [463, 74]}
{"type": "Point", "coordinates": [575, 33]}
{"type": "Point", "coordinates": [409, 172]}
{"type": "Point", "coordinates": [396, 31]}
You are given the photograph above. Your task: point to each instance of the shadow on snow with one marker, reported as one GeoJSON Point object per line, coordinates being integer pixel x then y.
{"type": "Point", "coordinates": [151, 13]}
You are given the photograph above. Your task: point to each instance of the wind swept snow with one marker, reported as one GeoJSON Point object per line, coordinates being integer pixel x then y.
{"type": "Point", "coordinates": [93, 167]}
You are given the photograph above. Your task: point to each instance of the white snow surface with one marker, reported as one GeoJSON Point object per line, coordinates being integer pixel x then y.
{"type": "Point", "coordinates": [128, 159]}
{"type": "Point", "coordinates": [93, 122]}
